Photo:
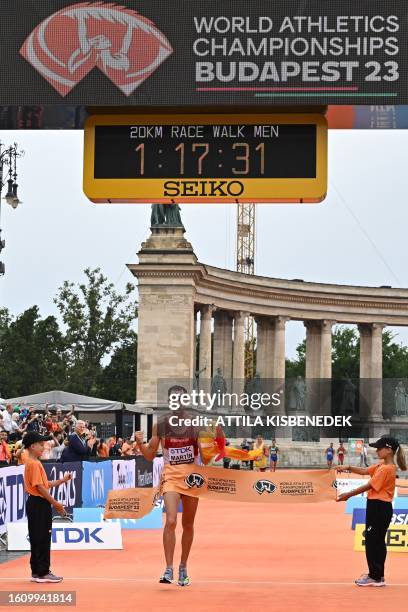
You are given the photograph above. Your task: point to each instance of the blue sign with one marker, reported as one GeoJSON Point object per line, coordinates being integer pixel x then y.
{"type": "Point", "coordinates": [96, 482]}
{"type": "Point", "coordinates": [399, 517]}
{"type": "Point", "coordinates": [153, 520]}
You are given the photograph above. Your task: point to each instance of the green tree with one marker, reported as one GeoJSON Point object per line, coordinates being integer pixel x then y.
{"type": "Point", "coordinates": [31, 354]}
{"type": "Point", "coordinates": [297, 367]}
{"type": "Point", "coordinates": [97, 321]}
{"type": "Point", "coordinates": [346, 356]}
{"type": "Point", "coordinates": [345, 353]}
{"type": "Point", "coordinates": [117, 380]}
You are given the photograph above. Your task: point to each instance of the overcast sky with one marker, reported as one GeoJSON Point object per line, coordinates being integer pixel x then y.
{"type": "Point", "coordinates": [358, 235]}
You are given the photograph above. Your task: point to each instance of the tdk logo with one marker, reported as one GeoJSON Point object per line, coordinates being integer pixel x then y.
{"type": "Point", "coordinates": [74, 535]}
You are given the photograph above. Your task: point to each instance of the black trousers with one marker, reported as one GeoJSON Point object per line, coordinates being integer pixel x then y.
{"type": "Point", "coordinates": [39, 518]}
{"type": "Point", "coordinates": [378, 518]}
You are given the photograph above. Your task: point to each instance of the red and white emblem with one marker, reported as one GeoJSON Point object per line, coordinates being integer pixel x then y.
{"type": "Point", "coordinates": [121, 43]}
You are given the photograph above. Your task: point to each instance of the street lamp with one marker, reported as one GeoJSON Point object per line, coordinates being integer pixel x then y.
{"type": "Point", "coordinates": [8, 175]}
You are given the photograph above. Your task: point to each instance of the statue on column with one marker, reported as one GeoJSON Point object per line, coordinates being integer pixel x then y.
{"type": "Point", "coordinates": [401, 400]}
{"type": "Point", "coordinates": [348, 403]}
{"type": "Point", "coordinates": [166, 214]}
{"type": "Point", "coordinates": [254, 385]}
{"type": "Point", "coordinates": [297, 395]}
{"type": "Point", "coordinates": [218, 383]}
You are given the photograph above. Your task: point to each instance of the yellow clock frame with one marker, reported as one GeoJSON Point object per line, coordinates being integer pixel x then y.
{"type": "Point", "coordinates": [257, 190]}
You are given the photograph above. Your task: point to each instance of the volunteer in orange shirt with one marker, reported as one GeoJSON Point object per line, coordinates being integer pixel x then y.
{"type": "Point", "coordinates": [38, 508]}
{"type": "Point", "coordinates": [380, 493]}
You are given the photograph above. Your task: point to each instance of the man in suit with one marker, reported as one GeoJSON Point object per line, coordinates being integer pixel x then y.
{"type": "Point", "coordinates": [80, 444]}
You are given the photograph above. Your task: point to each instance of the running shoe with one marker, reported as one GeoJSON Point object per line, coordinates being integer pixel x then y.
{"type": "Point", "coordinates": [183, 579]}
{"type": "Point", "coordinates": [48, 578]}
{"type": "Point", "coordinates": [33, 577]}
{"type": "Point", "coordinates": [167, 577]}
{"type": "Point", "coordinates": [366, 581]}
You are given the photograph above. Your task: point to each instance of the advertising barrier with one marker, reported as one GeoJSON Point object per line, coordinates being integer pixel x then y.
{"type": "Point", "coordinates": [96, 482]}
{"type": "Point", "coordinates": [12, 496]}
{"type": "Point", "coordinates": [123, 473]}
{"type": "Point", "coordinates": [144, 472]}
{"type": "Point", "coordinates": [396, 538]}
{"type": "Point", "coordinates": [68, 493]}
{"type": "Point", "coordinates": [154, 520]}
{"type": "Point", "coordinates": [70, 536]}
{"type": "Point", "coordinates": [400, 517]}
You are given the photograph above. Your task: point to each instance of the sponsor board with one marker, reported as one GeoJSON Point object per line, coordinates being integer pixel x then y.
{"type": "Point", "coordinates": [123, 473]}
{"type": "Point", "coordinates": [12, 496]}
{"type": "Point", "coordinates": [96, 482]}
{"type": "Point", "coordinates": [154, 520]}
{"type": "Point", "coordinates": [399, 517]}
{"type": "Point", "coordinates": [144, 472]}
{"type": "Point", "coordinates": [70, 536]}
{"type": "Point", "coordinates": [396, 538]}
{"type": "Point", "coordinates": [67, 493]}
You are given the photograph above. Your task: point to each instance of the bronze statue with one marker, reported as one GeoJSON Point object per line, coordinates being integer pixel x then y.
{"type": "Point", "coordinates": [166, 214]}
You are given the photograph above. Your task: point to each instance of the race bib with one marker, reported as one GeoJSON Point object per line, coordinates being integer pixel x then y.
{"type": "Point", "coordinates": [184, 454]}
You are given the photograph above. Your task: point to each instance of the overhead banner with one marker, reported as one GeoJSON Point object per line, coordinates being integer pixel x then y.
{"type": "Point", "coordinates": [96, 482]}
{"type": "Point", "coordinates": [204, 52]}
{"type": "Point", "coordinates": [12, 496]}
{"type": "Point", "coordinates": [306, 486]}
{"type": "Point", "coordinates": [68, 493]}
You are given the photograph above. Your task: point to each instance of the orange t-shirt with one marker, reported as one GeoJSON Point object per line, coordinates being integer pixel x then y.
{"type": "Point", "coordinates": [382, 482]}
{"type": "Point", "coordinates": [34, 474]}
{"type": "Point", "coordinates": [23, 458]}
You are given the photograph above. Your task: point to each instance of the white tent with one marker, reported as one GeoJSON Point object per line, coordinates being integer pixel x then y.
{"type": "Point", "coordinates": [65, 401]}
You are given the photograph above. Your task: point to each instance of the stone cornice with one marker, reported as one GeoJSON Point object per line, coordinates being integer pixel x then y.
{"type": "Point", "coordinates": [264, 296]}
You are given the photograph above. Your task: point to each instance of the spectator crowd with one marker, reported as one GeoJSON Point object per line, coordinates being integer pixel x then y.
{"type": "Point", "coordinates": [70, 438]}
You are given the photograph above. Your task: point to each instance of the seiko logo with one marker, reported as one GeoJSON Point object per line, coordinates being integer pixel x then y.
{"type": "Point", "coordinates": [264, 485]}
{"type": "Point", "coordinates": [67, 45]}
{"type": "Point", "coordinates": [194, 480]}
{"type": "Point", "coordinates": [210, 188]}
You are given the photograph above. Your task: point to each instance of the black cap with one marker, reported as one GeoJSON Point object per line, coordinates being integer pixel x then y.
{"type": "Point", "coordinates": [32, 437]}
{"type": "Point", "coordinates": [386, 442]}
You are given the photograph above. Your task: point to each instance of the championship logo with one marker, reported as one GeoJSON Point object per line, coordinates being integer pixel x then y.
{"type": "Point", "coordinates": [261, 486]}
{"type": "Point", "coordinates": [194, 480]}
{"type": "Point", "coordinates": [125, 46]}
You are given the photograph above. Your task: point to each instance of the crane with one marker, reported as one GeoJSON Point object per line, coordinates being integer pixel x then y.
{"type": "Point", "coordinates": [246, 264]}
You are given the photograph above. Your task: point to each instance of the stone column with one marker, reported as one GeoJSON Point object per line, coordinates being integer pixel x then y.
{"type": "Point", "coordinates": [205, 347]}
{"type": "Point", "coordinates": [166, 330]}
{"type": "Point", "coordinates": [318, 366]}
{"type": "Point", "coordinates": [238, 362]}
{"type": "Point", "coordinates": [265, 332]}
{"type": "Point", "coordinates": [279, 362]}
{"type": "Point", "coordinates": [222, 352]}
{"type": "Point", "coordinates": [279, 349]}
{"type": "Point", "coordinates": [371, 370]}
